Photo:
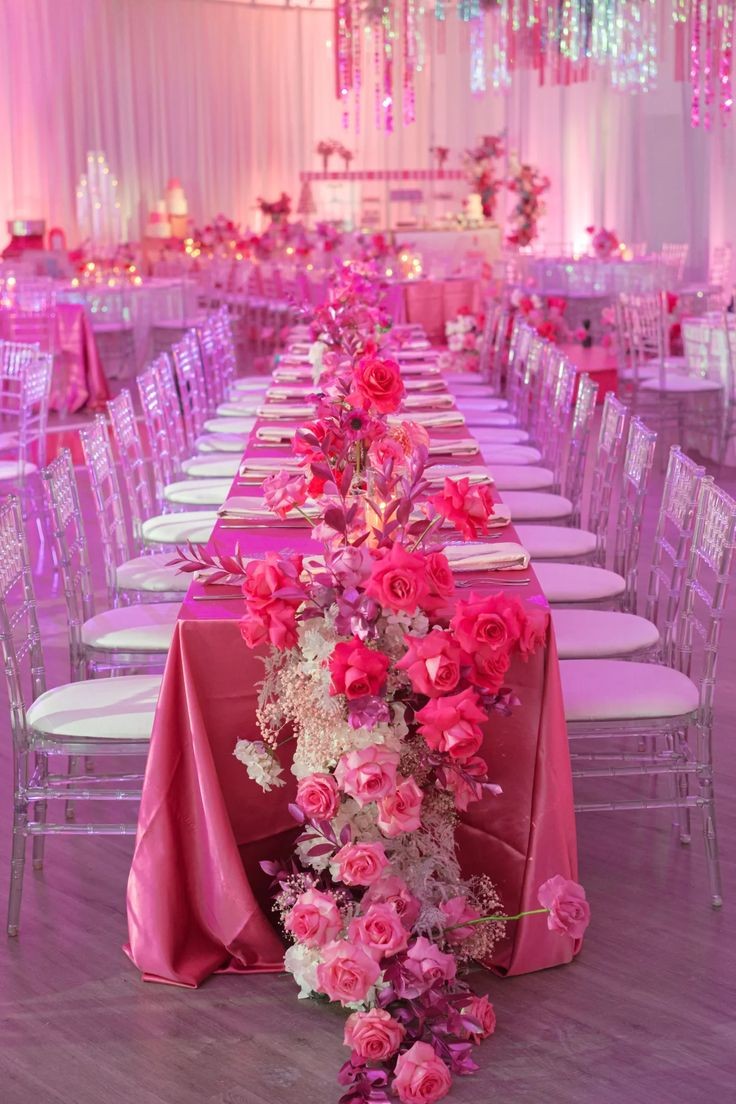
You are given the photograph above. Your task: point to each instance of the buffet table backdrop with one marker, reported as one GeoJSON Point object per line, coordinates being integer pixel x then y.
{"type": "Point", "coordinates": [166, 88]}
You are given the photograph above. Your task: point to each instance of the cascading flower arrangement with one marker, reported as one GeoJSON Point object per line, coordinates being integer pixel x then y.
{"type": "Point", "coordinates": [464, 341]}
{"type": "Point", "coordinates": [479, 165]}
{"type": "Point", "coordinates": [546, 314]}
{"type": "Point", "coordinates": [378, 683]}
{"type": "Point", "coordinates": [529, 185]}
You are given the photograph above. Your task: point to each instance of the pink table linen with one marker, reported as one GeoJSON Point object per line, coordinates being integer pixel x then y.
{"type": "Point", "coordinates": [79, 379]}
{"type": "Point", "coordinates": [197, 900]}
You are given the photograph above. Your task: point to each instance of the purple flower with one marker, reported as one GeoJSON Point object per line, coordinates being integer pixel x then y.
{"type": "Point", "coordinates": [357, 614]}
{"type": "Point", "coordinates": [368, 712]}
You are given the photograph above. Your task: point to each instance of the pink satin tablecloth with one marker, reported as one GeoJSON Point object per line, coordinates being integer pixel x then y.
{"type": "Point", "coordinates": [197, 899]}
{"type": "Point", "coordinates": [79, 378]}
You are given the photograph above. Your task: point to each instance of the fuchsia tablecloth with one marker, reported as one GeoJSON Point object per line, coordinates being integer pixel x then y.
{"type": "Point", "coordinates": [79, 379]}
{"type": "Point", "coordinates": [197, 900]}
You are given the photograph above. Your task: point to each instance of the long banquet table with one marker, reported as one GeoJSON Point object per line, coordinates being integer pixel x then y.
{"type": "Point", "coordinates": [197, 900]}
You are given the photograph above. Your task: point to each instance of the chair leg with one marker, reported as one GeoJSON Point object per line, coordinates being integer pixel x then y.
{"type": "Point", "coordinates": [17, 866]}
{"type": "Point", "coordinates": [705, 778]}
{"type": "Point", "coordinates": [39, 842]}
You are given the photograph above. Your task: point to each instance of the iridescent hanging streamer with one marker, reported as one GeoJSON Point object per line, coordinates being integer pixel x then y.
{"type": "Point", "coordinates": [387, 102]}
{"type": "Point", "coordinates": [708, 95]}
{"type": "Point", "coordinates": [695, 62]}
{"type": "Point", "coordinates": [357, 64]}
{"type": "Point", "coordinates": [478, 55]}
{"type": "Point", "coordinates": [408, 100]}
{"type": "Point", "coordinates": [343, 55]}
{"type": "Point", "coordinates": [724, 73]}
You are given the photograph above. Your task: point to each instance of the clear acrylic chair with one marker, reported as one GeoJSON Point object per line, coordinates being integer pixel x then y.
{"type": "Point", "coordinates": [121, 639]}
{"type": "Point", "coordinates": [190, 383]}
{"type": "Point", "coordinates": [629, 719]}
{"type": "Point", "coordinates": [31, 317]}
{"type": "Point", "coordinates": [25, 385]}
{"type": "Point", "coordinates": [111, 311]}
{"type": "Point", "coordinates": [673, 256]}
{"type": "Point", "coordinates": [93, 720]}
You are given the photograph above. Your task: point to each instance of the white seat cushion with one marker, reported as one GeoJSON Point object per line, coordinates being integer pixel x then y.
{"type": "Point", "coordinates": [521, 477]}
{"type": "Point", "coordinates": [615, 689]}
{"type": "Point", "coordinates": [244, 409]}
{"type": "Point", "coordinates": [13, 469]}
{"type": "Point", "coordinates": [198, 492]}
{"type": "Point", "coordinates": [569, 583]}
{"type": "Point", "coordinates": [221, 442]}
{"type": "Point", "coordinates": [151, 573]}
{"type": "Point", "coordinates": [682, 385]}
{"type": "Point", "coordinates": [601, 634]}
{"type": "Point", "coordinates": [249, 386]}
{"type": "Point", "coordinates": [477, 416]}
{"type": "Point", "coordinates": [242, 426]}
{"type": "Point", "coordinates": [492, 435]}
{"type": "Point", "coordinates": [509, 454]}
{"type": "Point", "coordinates": [555, 542]}
{"type": "Point", "coordinates": [146, 627]}
{"type": "Point", "coordinates": [109, 708]}
{"type": "Point", "coordinates": [224, 466]}
{"type": "Point", "coordinates": [476, 398]}
{"type": "Point", "coordinates": [525, 505]}
{"type": "Point", "coordinates": [179, 528]}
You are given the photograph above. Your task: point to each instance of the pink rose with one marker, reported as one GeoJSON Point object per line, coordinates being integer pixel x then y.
{"type": "Point", "coordinates": [428, 963]}
{"type": "Point", "coordinates": [420, 1076]}
{"type": "Point", "coordinates": [385, 449]}
{"type": "Point", "coordinates": [368, 774]}
{"type": "Point", "coordinates": [283, 490]}
{"type": "Point", "coordinates": [314, 920]}
{"type": "Point", "coordinates": [440, 581]}
{"type": "Point", "coordinates": [491, 621]}
{"type": "Point", "coordinates": [394, 891]}
{"type": "Point", "coordinates": [317, 796]}
{"type": "Point", "coordinates": [400, 811]}
{"type": "Point", "coordinates": [481, 1010]}
{"type": "Point", "coordinates": [357, 671]}
{"type": "Point", "coordinates": [346, 973]}
{"type": "Point", "coordinates": [489, 669]}
{"type": "Point", "coordinates": [467, 508]}
{"type": "Point", "coordinates": [360, 863]}
{"type": "Point", "coordinates": [432, 663]}
{"type": "Point", "coordinates": [379, 931]}
{"type": "Point", "coordinates": [397, 580]}
{"type": "Point", "coordinates": [274, 621]}
{"type": "Point", "coordinates": [253, 630]}
{"type": "Point", "coordinates": [264, 577]}
{"type": "Point", "coordinates": [378, 382]}
{"type": "Point", "coordinates": [374, 1035]}
{"type": "Point", "coordinates": [569, 912]}
{"type": "Point", "coordinates": [456, 912]}
{"type": "Point", "coordinates": [533, 628]}
{"type": "Point", "coordinates": [450, 724]}
{"type": "Point", "coordinates": [461, 781]}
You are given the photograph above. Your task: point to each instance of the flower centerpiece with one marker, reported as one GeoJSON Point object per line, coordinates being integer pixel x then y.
{"type": "Point", "coordinates": [325, 149]}
{"type": "Point", "coordinates": [479, 164]}
{"type": "Point", "coordinates": [464, 340]}
{"type": "Point", "coordinates": [380, 684]}
{"type": "Point", "coordinates": [604, 243]}
{"type": "Point", "coordinates": [441, 154]}
{"type": "Point", "coordinates": [546, 314]}
{"type": "Point", "coordinates": [529, 185]}
{"type": "Point", "coordinates": [278, 210]}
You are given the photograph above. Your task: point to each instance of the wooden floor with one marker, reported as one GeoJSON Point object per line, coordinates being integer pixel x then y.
{"type": "Point", "coordinates": [645, 1016]}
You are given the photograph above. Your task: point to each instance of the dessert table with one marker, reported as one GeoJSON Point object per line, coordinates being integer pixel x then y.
{"type": "Point", "coordinates": [197, 900]}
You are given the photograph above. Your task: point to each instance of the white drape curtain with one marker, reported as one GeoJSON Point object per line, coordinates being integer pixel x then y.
{"type": "Point", "coordinates": [232, 100]}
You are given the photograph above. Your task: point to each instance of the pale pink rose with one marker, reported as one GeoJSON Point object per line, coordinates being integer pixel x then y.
{"type": "Point", "coordinates": [400, 811]}
{"type": "Point", "coordinates": [394, 891]}
{"type": "Point", "coordinates": [569, 912]}
{"type": "Point", "coordinates": [428, 963]}
{"type": "Point", "coordinates": [432, 663]}
{"type": "Point", "coordinates": [368, 774]}
{"type": "Point", "coordinates": [283, 491]}
{"type": "Point", "coordinates": [317, 796]}
{"type": "Point", "coordinates": [384, 449]}
{"type": "Point", "coordinates": [360, 863]}
{"type": "Point", "coordinates": [346, 972]}
{"type": "Point", "coordinates": [315, 919]}
{"type": "Point", "coordinates": [374, 1035]}
{"type": "Point", "coordinates": [420, 1076]}
{"type": "Point", "coordinates": [379, 931]}
{"type": "Point", "coordinates": [458, 911]}
{"type": "Point", "coordinates": [481, 1009]}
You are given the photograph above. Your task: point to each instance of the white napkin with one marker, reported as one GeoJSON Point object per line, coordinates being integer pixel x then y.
{"type": "Point", "coordinates": [254, 466]}
{"type": "Point", "coordinates": [438, 474]}
{"type": "Point", "coordinates": [275, 435]}
{"type": "Point", "coordinates": [285, 392]}
{"type": "Point", "coordinates": [420, 384]}
{"type": "Point", "coordinates": [429, 402]}
{"type": "Point", "coordinates": [405, 354]}
{"type": "Point", "coordinates": [462, 446]}
{"type": "Point", "coordinates": [292, 372]}
{"type": "Point", "coordinates": [443, 419]}
{"type": "Point", "coordinates": [286, 410]}
{"type": "Point", "coordinates": [240, 506]}
{"type": "Point", "coordinates": [478, 556]}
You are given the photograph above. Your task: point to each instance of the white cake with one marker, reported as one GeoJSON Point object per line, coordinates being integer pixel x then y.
{"type": "Point", "coordinates": [474, 207]}
{"type": "Point", "coordinates": [158, 225]}
{"type": "Point", "coordinates": [176, 200]}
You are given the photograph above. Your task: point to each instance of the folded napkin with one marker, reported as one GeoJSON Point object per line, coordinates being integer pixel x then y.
{"type": "Point", "coordinates": [275, 435]}
{"type": "Point", "coordinates": [420, 384]}
{"type": "Point", "coordinates": [286, 410]}
{"type": "Point", "coordinates": [429, 402]}
{"type": "Point", "coordinates": [405, 354]}
{"type": "Point", "coordinates": [443, 419]}
{"type": "Point", "coordinates": [267, 466]}
{"type": "Point", "coordinates": [288, 372]}
{"type": "Point", "coordinates": [438, 474]}
{"type": "Point", "coordinates": [480, 556]}
{"type": "Point", "coordinates": [284, 392]}
{"type": "Point", "coordinates": [423, 368]}
{"type": "Point", "coordinates": [463, 446]}
{"type": "Point", "coordinates": [256, 509]}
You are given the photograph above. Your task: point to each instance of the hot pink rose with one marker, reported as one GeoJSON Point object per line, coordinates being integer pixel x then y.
{"type": "Point", "coordinates": [428, 963]}
{"type": "Point", "coordinates": [317, 796]}
{"type": "Point", "coordinates": [569, 912]}
{"type": "Point", "coordinates": [273, 573]}
{"type": "Point", "coordinates": [400, 811]}
{"type": "Point", "coordinates": [360, 863]}
{"type": "Point", "coordinates": [374, 1035]}
{"type": "Point", "coordinates": [283, 490]}
{"type": "Point", "coordinates": [533, 628]}
{"type": "Point", "coordinates": [379, 383]}
{"type": "Point", "coordinates": [398, 580]}
{"type": "Point", "coordinates": [380, 931]}
{"type": "Point", "coordinates": [346, 972]}
{"type": "Point", "coordinates": [253, 630]}
{"type": "Point", "coordinates": [488, 669]}
{"type": "Point", "coordinates": [421, 1077]}
{"type": "Point", "coordinates": [368, 774]}
{"type": "Point", "coordinates": [314, 920]}
{"type": "Point", "coordinates": [432, 663]}
{"type": "Point", "coordinates": [457, 911]}
{"type": "Point", "coordinates": [451, 724]}
{"type": "Point", "coordinates": [384, 449]}
{"type": "Point", "coordinates": [461, 782]}
{"type": "Point", "coordinates": [357, 671]}
{"type": "Point", "coordinates": [275, 621]}
{"type": "Point", "coordinates": [440, 581]}
{"type": "Point", "coordinates": [489, 621]}
{"type": "Point", "coordinates": [481, 1009]}
{"type": "Point", "coordinates": [466, 507]}
{"type": "Point", "coordinates": [394, 891]}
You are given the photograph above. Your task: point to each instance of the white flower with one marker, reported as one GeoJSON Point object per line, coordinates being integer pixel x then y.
{"type": "Point", "coordinates": [302, 962]}
{"type": "Point", "coordinates": [262, 767]}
